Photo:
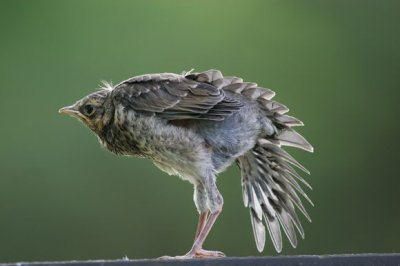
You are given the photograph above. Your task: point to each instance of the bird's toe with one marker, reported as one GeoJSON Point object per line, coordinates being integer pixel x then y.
{"type": "Point", "coordinates": [202, 253]}
{"type": "Point", "coordinates": [196, 254]}
{"type": "Point", "coordinates": [184, 257]}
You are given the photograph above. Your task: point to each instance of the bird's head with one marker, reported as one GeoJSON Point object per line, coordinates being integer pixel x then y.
{"type": "Point", "coordinates": [93, 110]}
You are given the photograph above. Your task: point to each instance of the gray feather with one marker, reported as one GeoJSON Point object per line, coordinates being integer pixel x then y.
{"type": "Point", "coordinates": [290, 170]}
{"type": "Point", "coordinates": [268, 94]}
{"type": "Point", "coordinates": [259, 230]}
{"type": "Point", "coordinates": [290, 137]}
{"type": "Point", "coordinates": [269, 188]}
{"type": "Point", "coordinates": [280, 153]}
{"type": "Point", "coordinates": [274, 230]}
{"type": "Point", "coordinates": [289, 208]}
{"type": "Point", "coordinates": [288, 120]}
{"type": "Point", "coordinates": [287, 225]}
{"type": "Point", "coordinates": [176, 97]}
{"type": "Point", "coordinates": [273, 106]}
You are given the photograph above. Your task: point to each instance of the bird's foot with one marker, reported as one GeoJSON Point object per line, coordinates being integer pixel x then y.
{"type": "Point", "coordinates": [196, 254]}
{"type": "Point", "coordinates": [202, 253]}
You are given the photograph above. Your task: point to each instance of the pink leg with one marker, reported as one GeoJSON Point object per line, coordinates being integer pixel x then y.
{"type": "Point", "coordinates": [200, 225]}
{"type": "Point", "coordinates": [206, 219]}
{"type": "Point", "coordinates": [203, 228]}
{"type": "Point", "coordinates": [197, 250]}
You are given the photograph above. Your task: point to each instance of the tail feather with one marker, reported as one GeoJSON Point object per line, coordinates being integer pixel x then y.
{"type": "Point", "coordinates": [281, 154]}
{"type": "Point", "coordinates": [258, 229]}
{"type": "Point", "coordinates": [295, 219]}
{"type": "Point", "coordinates": [274, 230]}
{"type": "Point", "coordinates": [291, 172]}
{"type": "Point", "coordinates": [271, 191]}
{"type": "Point", "coordinates": [286, 222]}
{"type": "Point", "coordinates": [294, 198]}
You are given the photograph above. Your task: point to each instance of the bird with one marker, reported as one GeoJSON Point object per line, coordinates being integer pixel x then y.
{"type": "Point", "coordinates": [194, 125]}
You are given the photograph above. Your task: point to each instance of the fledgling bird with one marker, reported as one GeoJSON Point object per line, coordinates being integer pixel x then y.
{"type": "Point", "coordinates": [195, 125]}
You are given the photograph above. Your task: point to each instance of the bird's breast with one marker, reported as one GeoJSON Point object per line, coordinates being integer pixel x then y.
{"type": "Point", "coordinates": [175, 150]}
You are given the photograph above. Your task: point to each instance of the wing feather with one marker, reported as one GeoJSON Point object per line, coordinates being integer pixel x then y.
{"type": "Point", "coordinates": [175, 97]}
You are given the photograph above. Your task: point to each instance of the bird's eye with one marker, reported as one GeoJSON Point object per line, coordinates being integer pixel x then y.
{"type": "Point", "coordinates": [88, 109]}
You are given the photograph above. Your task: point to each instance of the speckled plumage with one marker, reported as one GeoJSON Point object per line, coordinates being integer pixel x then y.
{"type": "Point", "coordinates": [194, 126]}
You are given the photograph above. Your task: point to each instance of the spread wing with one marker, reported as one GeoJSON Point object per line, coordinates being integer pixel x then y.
{"type": "Point", "coordinates": [175, 97]}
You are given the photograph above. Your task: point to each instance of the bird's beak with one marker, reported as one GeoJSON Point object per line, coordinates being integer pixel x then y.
{"type": "Point", "coordinates": [69, 110]}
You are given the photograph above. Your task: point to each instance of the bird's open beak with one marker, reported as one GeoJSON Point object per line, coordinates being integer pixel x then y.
{"type": "Point", "coordinates": [69, 110]}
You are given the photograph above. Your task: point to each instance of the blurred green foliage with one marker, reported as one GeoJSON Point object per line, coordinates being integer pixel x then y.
{"type": "Point", "coordinates": [334, 63]}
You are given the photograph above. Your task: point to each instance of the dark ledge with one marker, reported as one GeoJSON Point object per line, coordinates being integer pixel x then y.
{"type": "Point", "coordinates": [356, 259]}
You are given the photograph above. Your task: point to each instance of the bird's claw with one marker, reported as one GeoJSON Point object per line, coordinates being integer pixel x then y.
{"type": "Point", "coordinates": [196, 254]}
{"type": "Point", "coordinates": [202, 253]}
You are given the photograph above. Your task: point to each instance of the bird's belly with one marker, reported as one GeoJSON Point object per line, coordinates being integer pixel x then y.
{"type": "Point", "coordinates": [176, 151]}
{"type": "Point", "coordinates": [177, 171]}
{"type": "Point", "coordinates": [188, 164]}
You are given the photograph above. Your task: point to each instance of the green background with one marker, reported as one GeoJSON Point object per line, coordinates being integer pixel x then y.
{"type": "Point", "coordinates": [334, 63]}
